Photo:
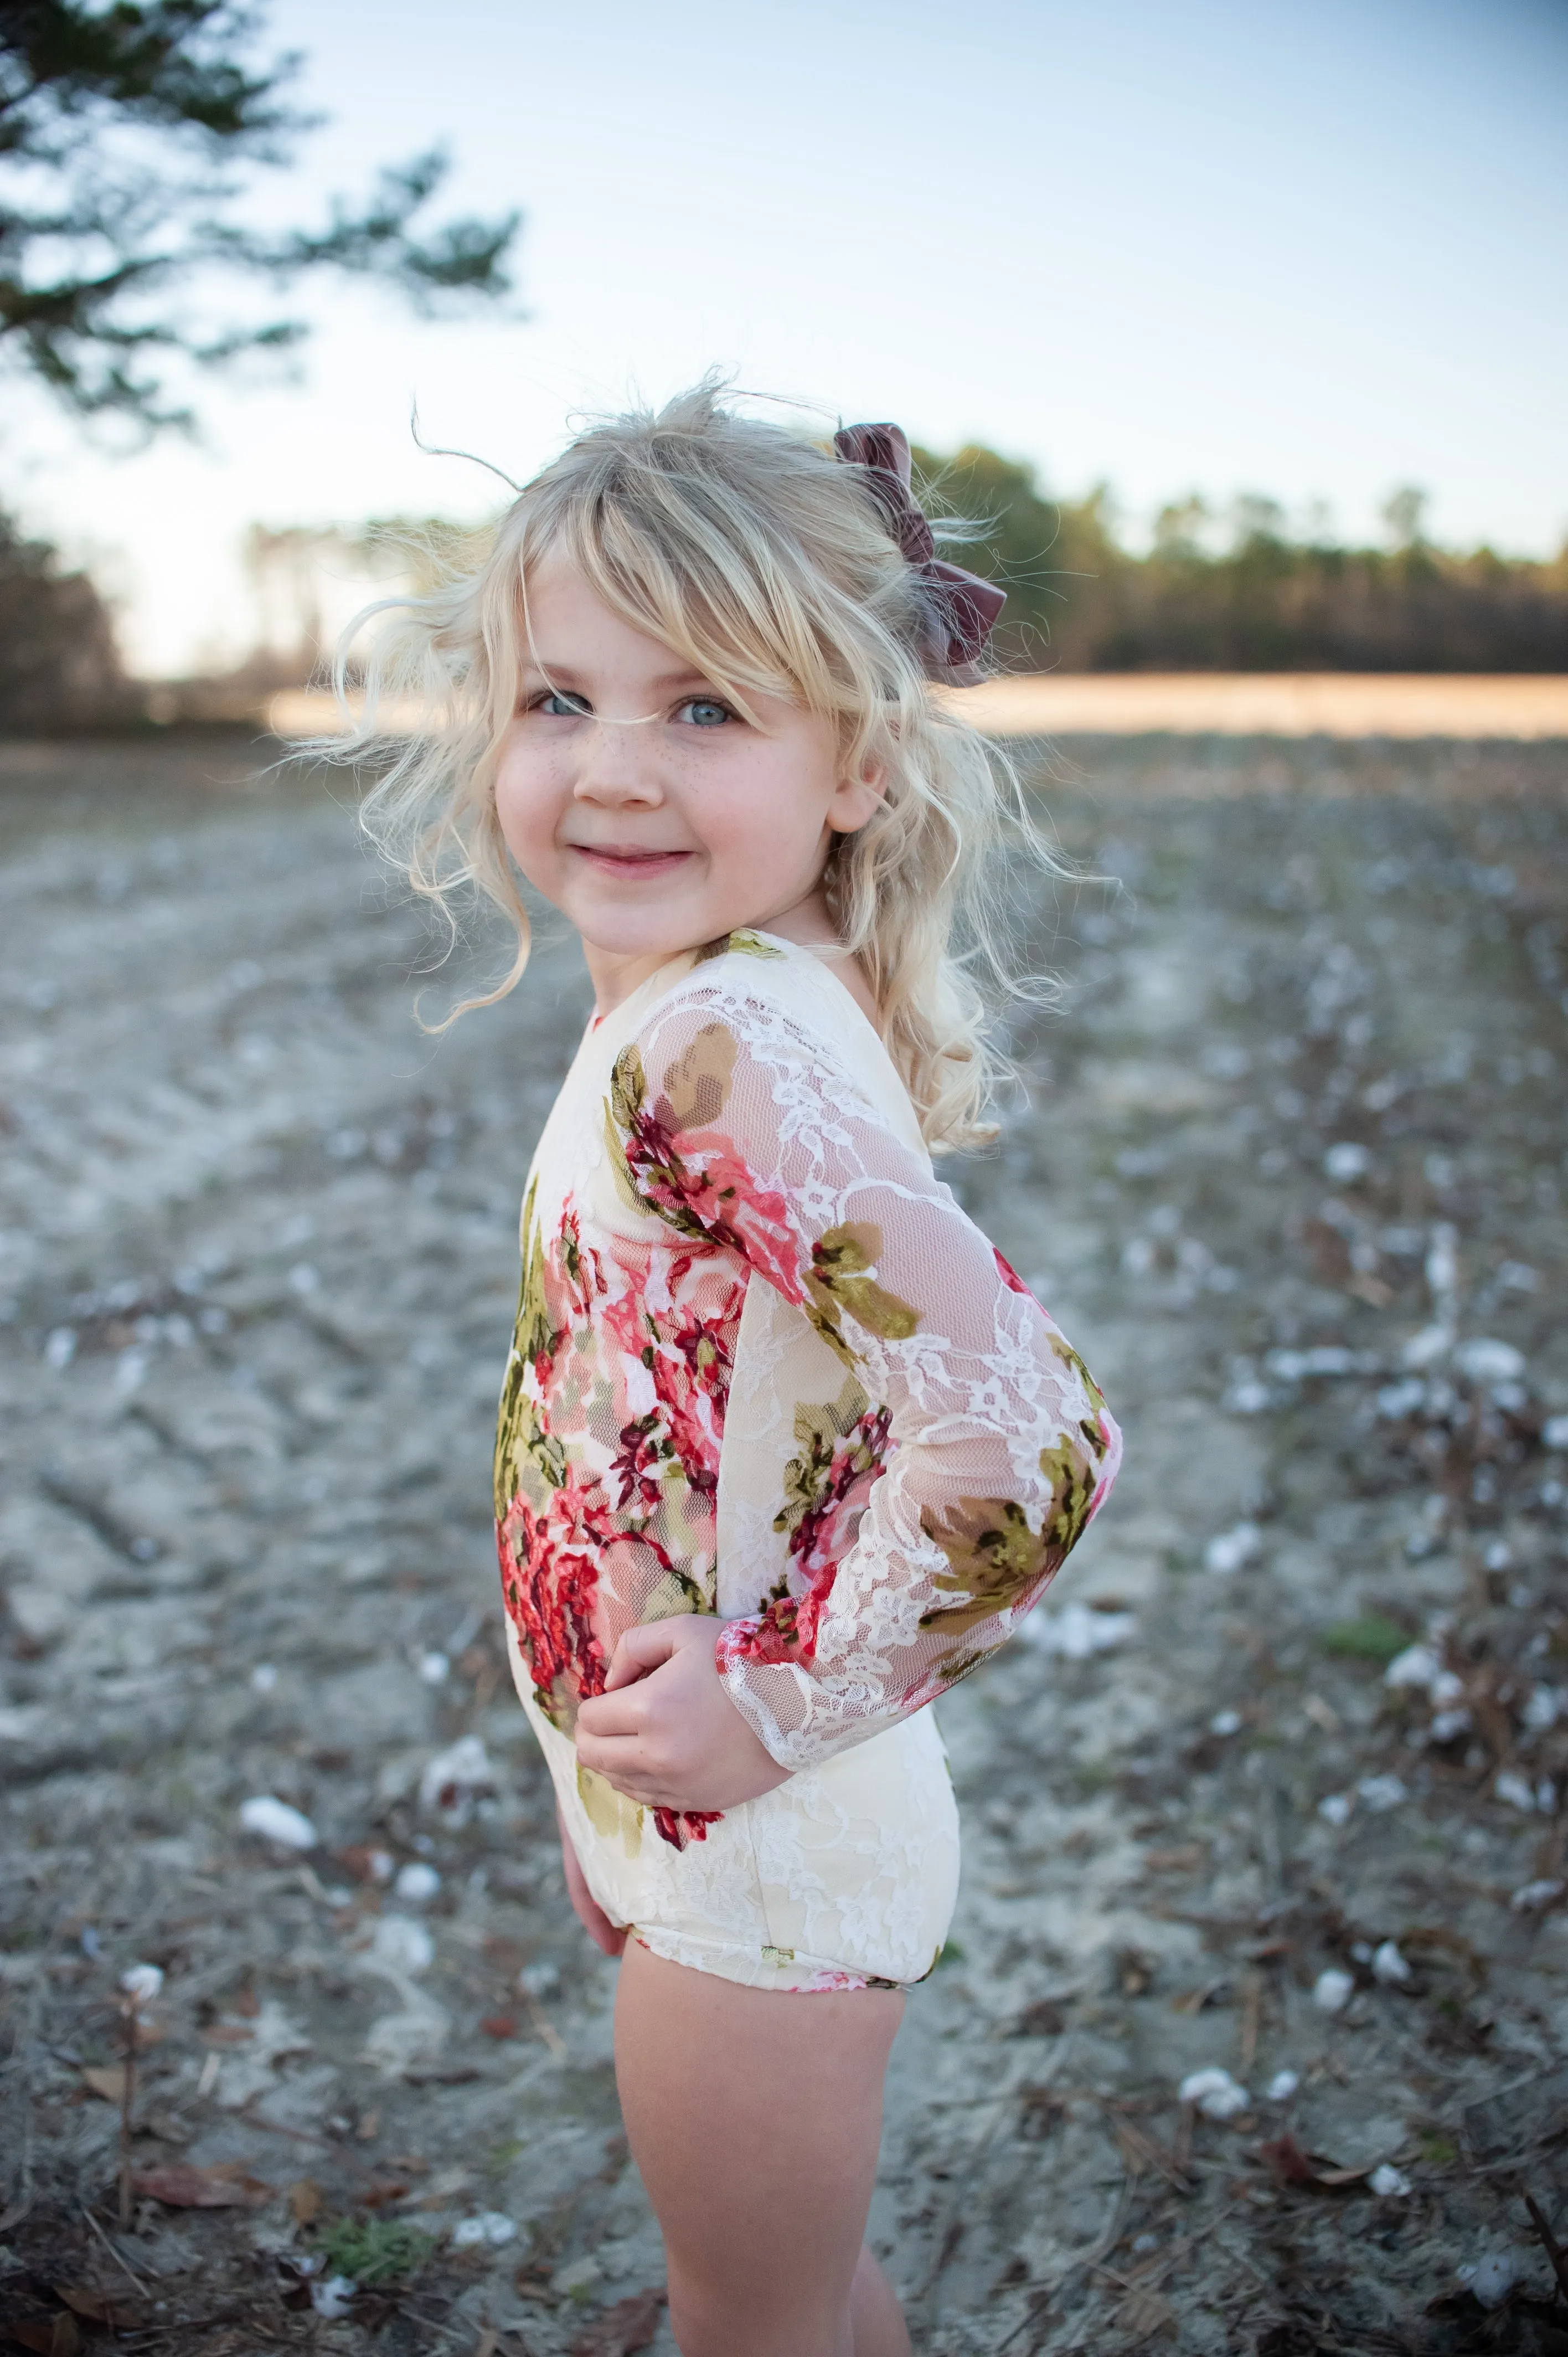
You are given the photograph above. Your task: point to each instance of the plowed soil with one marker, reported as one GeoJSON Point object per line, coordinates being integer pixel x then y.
{"type": "Point", "coordinates": [1290, 1173]}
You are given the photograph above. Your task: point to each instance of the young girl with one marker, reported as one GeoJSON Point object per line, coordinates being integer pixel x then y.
{"type": "Point", "coordinates": [785, 1446]}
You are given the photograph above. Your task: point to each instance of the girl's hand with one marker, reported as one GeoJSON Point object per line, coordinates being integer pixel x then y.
{"type": "Point", "coordinates": [610, 1937]}
{"type": "Point", "coordinates": [664, 1732]}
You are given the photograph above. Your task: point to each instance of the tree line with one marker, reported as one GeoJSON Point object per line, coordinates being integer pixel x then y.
{"type": "Point", "coordinates": [1241, 591]}
{"type": "Point", "coordinates": [1236, 593]}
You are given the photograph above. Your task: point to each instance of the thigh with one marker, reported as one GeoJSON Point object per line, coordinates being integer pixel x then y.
{"type": "Point", "coordinates": [754, 2118]}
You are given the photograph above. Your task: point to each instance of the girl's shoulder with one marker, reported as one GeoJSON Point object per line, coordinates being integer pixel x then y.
{"type": "Point", "coordinates": [785, 1006]}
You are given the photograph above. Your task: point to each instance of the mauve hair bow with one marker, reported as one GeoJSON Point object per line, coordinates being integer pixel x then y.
{"type": "Point", "coordinates": [966, 607]}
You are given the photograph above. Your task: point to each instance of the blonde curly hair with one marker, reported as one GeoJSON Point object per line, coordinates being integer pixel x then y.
{"type": "Point", "coordinates": [769, 564]}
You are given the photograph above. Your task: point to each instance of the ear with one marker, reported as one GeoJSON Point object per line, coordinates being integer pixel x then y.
{"type": "Point", "coordinates": [855, 798]}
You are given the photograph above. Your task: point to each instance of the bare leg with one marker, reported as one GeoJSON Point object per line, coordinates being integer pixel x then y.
{"type": "Point", "coordinates": [755, 2120]}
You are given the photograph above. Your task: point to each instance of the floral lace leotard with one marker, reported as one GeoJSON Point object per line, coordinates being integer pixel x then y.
{"type": "Point", "coordinates": [765, 1368]}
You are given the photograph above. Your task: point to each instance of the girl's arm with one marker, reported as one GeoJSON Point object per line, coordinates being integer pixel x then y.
{"type": "Point", "coordinates": [965, 1446]}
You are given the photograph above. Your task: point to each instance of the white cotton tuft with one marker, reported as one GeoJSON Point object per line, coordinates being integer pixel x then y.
{"type": "Point", "coordinates": [1216, 2093]}
{"type": "Point", "coordinates": [273, 1820]}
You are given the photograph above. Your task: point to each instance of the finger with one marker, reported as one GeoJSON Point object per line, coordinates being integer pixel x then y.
{"type": "Point", "coordinates": [606, 1715]}
{"type": "Point", "coordinates": [614, 1755]}
{"type": "Point", "coordinates": [643, 1648]}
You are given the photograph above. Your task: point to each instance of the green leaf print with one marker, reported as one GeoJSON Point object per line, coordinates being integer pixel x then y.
{"type": "Point", "coordinates": [1094, 1426]}
{"type": "Point", "coordinates": [743, 944]}
{"type": "Point", "coordinates": [534, 1341]}
{"type": "Point", "coordinates": [663, 1174]}
{"type": "Point", "coordinates": [838, 1282]}
{"type": "Point", "coordinates": [1072, 1495]}
{"type": "Point", "coordinates": [994, 1556]}
{"type": "Point", "coordinates": [816, 1430]}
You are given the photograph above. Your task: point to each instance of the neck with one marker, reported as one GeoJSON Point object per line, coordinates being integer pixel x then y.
{"type": "Point", "coordinates": [616, 973]}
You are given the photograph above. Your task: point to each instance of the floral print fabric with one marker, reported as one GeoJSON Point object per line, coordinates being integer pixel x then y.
{"type": "Point", "coordinates": [765, 1367]}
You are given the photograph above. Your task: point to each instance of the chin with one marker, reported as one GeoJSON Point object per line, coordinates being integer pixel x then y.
{"type": "Point", "coordinates": [655, 935]}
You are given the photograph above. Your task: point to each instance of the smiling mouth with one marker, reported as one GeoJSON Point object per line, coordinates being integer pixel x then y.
{"type": "Point", "coordinates": [626, 859]}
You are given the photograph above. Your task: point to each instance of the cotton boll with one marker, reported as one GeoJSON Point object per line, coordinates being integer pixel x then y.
{"type": "Point", "coordinates": [333, 2297]}
{"type": "Point", "coordinates": [1282, 2086]}
{"type": "Point", "coordinates": [455, 1779]}
{"type": "Point", "coordinates": [417, 1882]}
{"type": "Point", "coordinates": [1230, 1550]}
{"type": "Point", "coordinates": [1533, 1898]}
{"type": "Point", "coordinates": [490, 2229]}
{"type": "Point", "coordinates": [1389, 1967]}
{"type": "Point", "coordinates": [1380, 1793]}
{"type": "Point", "coordinates": [1346, 1162]}
{"type": "Point", "coordinates": [1443, 1253]}
{"type": "Point", "coordinates": [1335, 1808]}
{"type": "Point", "coordinates": [1215, 2093]}
{"type": "Point", "coordinates": [1076, 1631]}
{"type": "Point", "coordinates": [1430, 1344]}
{"type": "Point", "coordinates": [273, 1820]}
{"type": "Point", "coordinates": [1332, 1990]}
{"type": "Point", "coordinates": [402, 1942]}
{"type": "Point", "coordinates": [1492, 2278]}
{"type": "Point", "coordinates": [1485, 1359]}
{"type": "Point", "coordinates": [142, 1983]}
{"type": "Point", "coordinates": [1389, 2184]}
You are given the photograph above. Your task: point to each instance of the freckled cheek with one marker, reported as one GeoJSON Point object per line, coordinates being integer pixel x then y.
{"type": "Point", "coordinates": [751, 811]}
{"type": "Point", "coordinates": [529, 799]}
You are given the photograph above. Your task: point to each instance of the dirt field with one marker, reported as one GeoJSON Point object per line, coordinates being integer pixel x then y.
{"type": "Point", "coordinates": [1235, 704]}
{"type": "Point", "coordinates": [1271, 1788]}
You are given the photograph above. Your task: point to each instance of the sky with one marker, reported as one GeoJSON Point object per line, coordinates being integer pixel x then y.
{"type": "Point", "coordinates": [1315, 252]}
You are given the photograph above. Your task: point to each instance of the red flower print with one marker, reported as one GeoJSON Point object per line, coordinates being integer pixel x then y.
{"type": "Point", "coordinates": [698, 1181]}
{"type": "Point", "coordinates": [548, 1587]}
{"type": "Point", "coordinates": [678, 1827]}
{"type": "Point", "coordinates": [735, 1208]}
{"type": "Point", "coordinates": [1011, 1278]}
{"type": "Point", "coordinates": [584, 1271]}
{"type": "Point", "coordinates": [825, 1529]}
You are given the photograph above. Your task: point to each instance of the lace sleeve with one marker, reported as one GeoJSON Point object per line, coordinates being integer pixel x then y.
{"type": "Point", "coordinates": [927, 1505]}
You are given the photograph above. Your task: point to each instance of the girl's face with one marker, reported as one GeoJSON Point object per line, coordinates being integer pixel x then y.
{"type": "Point", "coordinates": [657, 837]}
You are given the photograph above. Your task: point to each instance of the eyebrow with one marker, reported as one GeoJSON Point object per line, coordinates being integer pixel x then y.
{"type": "Point", "coordinates": [567, 675]}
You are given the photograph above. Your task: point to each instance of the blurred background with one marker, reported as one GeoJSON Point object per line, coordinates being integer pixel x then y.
{"type": "Point", "coordinates": [1240, 325]}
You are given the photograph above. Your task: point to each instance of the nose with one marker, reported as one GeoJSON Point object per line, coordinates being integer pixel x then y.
{"type": "Point", "coordinates": [614, 765]}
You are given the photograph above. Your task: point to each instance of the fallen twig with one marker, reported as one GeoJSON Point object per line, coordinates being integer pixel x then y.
{"type": "Point", "coordinates": [127, 2098]}
{"type": "Point", "coordinates": [1553, 2248]}
{"type": "Point", "coordinates": [119, 2260]}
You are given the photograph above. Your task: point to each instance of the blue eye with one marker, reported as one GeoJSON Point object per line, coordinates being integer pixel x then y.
{"type": "Point", "coordinates": [704, 711]}
{"type": "Point", "coordinates": [564, 706]}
